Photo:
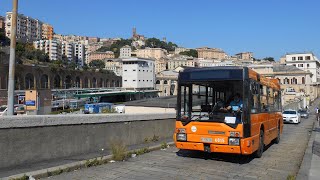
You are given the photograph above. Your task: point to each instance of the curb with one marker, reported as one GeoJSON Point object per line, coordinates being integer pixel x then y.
{"type": "Point", "coordinates": [56, 170]}
{"type": "Point", "coordinates": [306, 162]}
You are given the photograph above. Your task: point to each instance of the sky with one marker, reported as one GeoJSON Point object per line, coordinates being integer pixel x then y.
{"type": "Point", "coordinates": [268, 28]}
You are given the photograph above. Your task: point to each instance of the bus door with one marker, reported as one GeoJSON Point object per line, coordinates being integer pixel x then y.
{"type": "Point", "coordinates": [264, 117]}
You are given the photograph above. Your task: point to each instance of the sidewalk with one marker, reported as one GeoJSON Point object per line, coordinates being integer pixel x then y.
{"type": "Point", "coordinates": [314, 172]}
{"type": "Point", "coordinates": [310, 166]}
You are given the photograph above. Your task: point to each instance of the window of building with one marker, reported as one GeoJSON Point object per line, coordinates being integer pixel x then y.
{"type": "Point", "coordinates": [134, 80]}
{"type": "Point", "coordinates": [300, 65]}
{"type": "Point", "coordinates": [125, 70]}
{"type": "Point", "coordinates": [308, 58]}
{"type": "Point", "coordinates": [308, 65]}
{"type": "Point", "coordinates": [300, 58]}
{"type": "Point", "coordinates": [303, 81]}
{"type": "Point", "coordinates": [134, 70]}
{"type": "Point", "coordinates": [125, 80]}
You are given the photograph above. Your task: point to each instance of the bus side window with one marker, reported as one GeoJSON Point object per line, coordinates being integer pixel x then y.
{"type": "Point", "coordinates": [263, 99]}
{"type": "Point", "coordinates": [271, 99]}
{"type": "Point", "coordinates": [254, 97]}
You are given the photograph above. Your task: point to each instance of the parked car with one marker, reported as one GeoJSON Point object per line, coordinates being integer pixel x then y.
{"type": "Point", "coordinates": [291, 116]}
{"type": "Point", "coordinates": [3, 110]}
{"type": "Point", "coordinates": [303, 113]}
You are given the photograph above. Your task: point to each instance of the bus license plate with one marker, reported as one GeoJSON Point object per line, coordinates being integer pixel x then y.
{"type": "Point", "coordinates": [207, 140]}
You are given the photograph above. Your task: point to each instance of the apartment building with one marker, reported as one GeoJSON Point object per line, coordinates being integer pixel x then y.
{"type": "Point", "coordinates": [72, 38]}
{"type": "Point", "coordinates": [28, 29]}
{"type": "Point", "coordinates": [51, 47]}
{"type": "Point", "coordinates": [178, 50]}
{"type": "Point", "coordinates": [211, 53]}
{"type": "Point", "coordinates": [173, 64]}
{"type": "Point", "coordinates": [245, 56]}
{"type": "Point", "coordinates": [306, 62]}
{"type": "Point", "coordinates": [47, 31]}
{"type": "Point", "coordinates": [100, 56]}
{"type": "Point", "coordinates": [161, 65]}
{"type": "Point", "coordinates": [125, 52]}
{"type": "Point", "coordinates": [79, 53]}
{"type": "Point", "coordinates": [114, 65]}
{"type": "Point", "coordinates": [138, 73]}
{"type": "Point", "coordinates": [153, 53]}
{"type": "Point", "coordinates": [93, 39]}
{"type": "Point", "coordinates": [67, 50]}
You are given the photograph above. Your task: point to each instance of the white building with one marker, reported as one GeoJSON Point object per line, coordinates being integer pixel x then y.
{"type": "Point", "coordinates": [138, 73]}
{"type": "Point", "coordinates": [178, 50]}
{"type": "Point", "coordinates": [79, 53]}
{"type": "Point", "coordinates": [28, 29]}
{"type": "Point", "coordinates": [67, 50]}
{"type": "Point", "coordinates": [306, 62]}
{"type": "Point", "coordinates": [125, 52]}
{"type": "Point", "coordinates": [51, 47]}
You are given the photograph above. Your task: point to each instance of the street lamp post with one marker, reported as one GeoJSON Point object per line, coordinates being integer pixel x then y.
{"type": "Point", "coordinates": [12, 58]}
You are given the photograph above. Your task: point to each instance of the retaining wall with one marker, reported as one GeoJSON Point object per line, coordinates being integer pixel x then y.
{"type": "Point", "coordinates": [28, 139]}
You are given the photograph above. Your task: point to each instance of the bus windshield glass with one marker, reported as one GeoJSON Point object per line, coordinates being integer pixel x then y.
{"type": "Point", "coordinates": [212, 101]}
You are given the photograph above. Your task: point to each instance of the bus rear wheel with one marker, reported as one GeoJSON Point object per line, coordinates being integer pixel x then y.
{"type": "Point", "coordinates": [259, 152]}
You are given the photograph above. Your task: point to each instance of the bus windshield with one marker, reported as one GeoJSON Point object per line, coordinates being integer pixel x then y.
{"type": "Point", "coordinates": [212, 101]}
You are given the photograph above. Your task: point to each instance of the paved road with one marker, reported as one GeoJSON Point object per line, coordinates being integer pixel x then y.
{"type": "Point", "coordinates": [277, 162]}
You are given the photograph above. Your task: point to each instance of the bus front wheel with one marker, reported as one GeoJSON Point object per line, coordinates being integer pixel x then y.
{"type": "Point", "coordinates": [259, 152]}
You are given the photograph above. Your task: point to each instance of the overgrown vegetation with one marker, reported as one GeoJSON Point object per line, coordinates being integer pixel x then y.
{"type": "Point", "coordinates": [97, 64]}
{"type": "Point", "coordinates": [4, 40]}
{"type": "Point", "coordinates": [291, 177]}
{"type": "Point", "coordinates": [157, 43]}
{"type": "Point", "coordinates": [94, 162]}
{"type": "Point", "coordinates": [191, 52]}
{"type": "Point", "coordinates": [119, 151]}
{"type": "Point", "coordinates": [64, 111]}
{"type": "Point", "coordinates": [27, 51]}
{"type": "Point", "coordinates": [115, 47]}
{"type": "Point", "coordinates": [164, 145]}
{"type": "Point", "coordinates": [107, 111]}
{"type": "Point", "coordinates": [54, 173]}
{"type": "Point", "coordinates": [24, 177]}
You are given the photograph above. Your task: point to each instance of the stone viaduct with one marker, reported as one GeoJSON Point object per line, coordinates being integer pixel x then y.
{"type": "Point", "coordinates": [44, 77]}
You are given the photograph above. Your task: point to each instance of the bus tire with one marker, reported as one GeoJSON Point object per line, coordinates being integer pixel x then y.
{"type": "Point", "coordinates": [277, 140]}
{"type": "Point", "coordinates": [259, 152]}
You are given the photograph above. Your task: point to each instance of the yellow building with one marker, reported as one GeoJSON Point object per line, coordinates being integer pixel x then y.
{"type": "Point", "coordinates": [47, 31]}
{"type": "Point", "coordinates": [100, 56]}
{"type": "Point", "coordinates": [154, 53]}
{"type": "Point", "coordinates": [211, 53]}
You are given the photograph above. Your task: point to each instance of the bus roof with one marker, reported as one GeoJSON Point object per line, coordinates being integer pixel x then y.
{"type": "Point", "coordinates": [222, 73]}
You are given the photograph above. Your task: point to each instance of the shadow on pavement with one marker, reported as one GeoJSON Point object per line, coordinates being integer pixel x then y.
{"type": "Point", "coordinates": [233, 158]}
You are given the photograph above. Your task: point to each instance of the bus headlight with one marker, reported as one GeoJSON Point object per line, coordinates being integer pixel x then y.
{"type": "Point", "coordinates": [234, 134]}
{"type": "Point", "coordinates": [234, 141]}
{"type": "Point", "coordinates": [181, 137]}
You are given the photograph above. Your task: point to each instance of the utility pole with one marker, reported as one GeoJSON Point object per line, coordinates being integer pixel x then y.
{"type": "Point", "coordinates": [12, 58]}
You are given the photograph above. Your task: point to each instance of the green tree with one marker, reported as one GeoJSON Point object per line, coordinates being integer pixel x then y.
{"type": "Point", "coordinates": [191, 52]}
{"type": "Point", "coordinates": [271, 59]}
{"type": "Point", "coordinates": [157, 43]}
{"type": "Point", "coordinates": [116, 46]}
{"type": "Point", "coordinates": [4, 40]}
{"type": "Point", "coordinates": [97, 64]}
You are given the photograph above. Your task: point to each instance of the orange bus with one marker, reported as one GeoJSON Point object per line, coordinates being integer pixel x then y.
{"type": "Point", "coordinates": [206, 122]}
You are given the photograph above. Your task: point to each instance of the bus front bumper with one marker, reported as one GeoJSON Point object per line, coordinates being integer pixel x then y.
{"type": "Point", "coordinates": [246, 147]}
{"type": "Point", "coordinates": [213, 147]}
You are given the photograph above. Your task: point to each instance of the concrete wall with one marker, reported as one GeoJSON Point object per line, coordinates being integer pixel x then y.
{"type": "Point", "coordinates": [28, 139]}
